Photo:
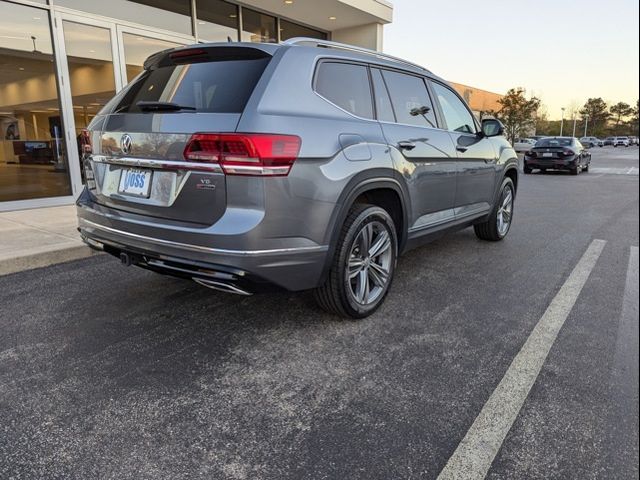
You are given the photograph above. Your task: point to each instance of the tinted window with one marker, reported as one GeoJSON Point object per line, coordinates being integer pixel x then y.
{"type": "Point", "coordinates": [383, 103]}
{"type": "Point", "coordinates": [258, 27]}
{"type": "Point", "coordinates": [456, 114]}
{"type": "Point", "coordinates": [554, 142]}
{"type": "Point", "coordinates": [221, 87]}
{"type": "Point", "coordinates": [290, 30]}
{"type": "Point", "coordinates": [410, 99]}
{"type": "Point", "coordinates": [173, 15]}
{"type": "Point", "coordinates": [217, 20]}
{"type": "Point", "coordinates": [347, 86]}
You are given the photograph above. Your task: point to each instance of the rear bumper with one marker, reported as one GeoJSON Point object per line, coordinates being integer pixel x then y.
{"type": "Point", "coordinates": [180, 252]}
{"type": "Point", "coordinates": [550, 164]}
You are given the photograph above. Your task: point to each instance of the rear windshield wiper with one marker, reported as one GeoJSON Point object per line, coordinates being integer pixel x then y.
{"type": "Point", "coordinates": [162, 106]}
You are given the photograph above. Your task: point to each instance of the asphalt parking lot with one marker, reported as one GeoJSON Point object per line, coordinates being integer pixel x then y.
{"type": "Point", "coordinates": [107, 372]}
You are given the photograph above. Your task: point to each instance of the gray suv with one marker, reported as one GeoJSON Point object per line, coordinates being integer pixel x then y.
{"type": "Point", "coordinates": [303, 165]}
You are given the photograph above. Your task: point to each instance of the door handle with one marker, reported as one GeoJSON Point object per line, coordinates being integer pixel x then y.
{"type": "Point", "coordinates": [461, 149]}
{"type": "Point", "coordinates": [405, 145]}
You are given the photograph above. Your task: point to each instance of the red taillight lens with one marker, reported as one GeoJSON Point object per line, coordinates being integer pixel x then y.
{"type": "Point", "coordinates": [568, 152]}
{"type": "Point", "coordinates": [531, 153]}
{"type": "Point", "coordinates": [245, 154]}
{"type": "Point", "coordinates": [182, 56]}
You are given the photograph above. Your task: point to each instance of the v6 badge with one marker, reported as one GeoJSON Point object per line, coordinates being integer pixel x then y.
{"type": "Point", "coordinates": [205, 184]}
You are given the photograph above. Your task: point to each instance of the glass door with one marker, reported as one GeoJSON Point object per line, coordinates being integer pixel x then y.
{"type": "Point", "coordinates": [33, 152]}
{"type": "Point", "coordinates": [135, 45]}
{"type": "Point", "coordinates": [90, 63]}
{"type": "Point", "coordinates": [98, 58]}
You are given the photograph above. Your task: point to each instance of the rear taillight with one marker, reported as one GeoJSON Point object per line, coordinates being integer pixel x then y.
{"type": "Point", "coordinates": [567, 152]}
{"type": "Point", "coordinates": [245, 153]}
{"type": "Point", "coordinates": [531, 153]}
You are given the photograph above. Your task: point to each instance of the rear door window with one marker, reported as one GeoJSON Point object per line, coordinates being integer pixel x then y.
{"type": "Point", "coordinates": [347, 86]}
{"type": "Point", "coordinates": [211, 87]}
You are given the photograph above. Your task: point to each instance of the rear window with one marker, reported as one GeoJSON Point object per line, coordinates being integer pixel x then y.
{"type": "Point", "coordinates": [210, 87]}
{"type": "Point", "coordinates": [554, 142]}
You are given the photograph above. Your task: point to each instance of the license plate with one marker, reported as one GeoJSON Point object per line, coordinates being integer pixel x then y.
{"type": "Point", "coordinates": [547, 154]}
{"type": "Point", "coordinates": [135, 182]}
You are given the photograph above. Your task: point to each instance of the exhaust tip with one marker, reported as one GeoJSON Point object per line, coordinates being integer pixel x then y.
{"type": "Point", "coordinates": [92, 243]}
{"type": "Point", "coordinates": [221, 286]}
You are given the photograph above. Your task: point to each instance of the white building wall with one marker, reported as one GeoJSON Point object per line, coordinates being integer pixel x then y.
{"type": "Point", "coordinates": [368, 36]}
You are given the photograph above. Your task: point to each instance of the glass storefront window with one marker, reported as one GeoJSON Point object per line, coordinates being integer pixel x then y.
{"type": "Point", "coordinates": [172, 15]}
{"type": "Point", "coordinates": [33, 154]}
{"type": "Point", "coordinates": [258, 27]}
{"type": "Point", "coordinates": [91, 70]}
{"type": "Point", "coordinates": [217, 20]}
{"type": "Point", "coordinates": [136, 50]}
{"type": "Point", "coordinates": [290, 30]}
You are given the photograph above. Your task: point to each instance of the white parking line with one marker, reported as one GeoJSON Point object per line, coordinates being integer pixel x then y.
{"type": "Point", "coordinates": [623, 375]}
{"type": "Point", "coordinates": [474, 455]}
{"type": "Point", "coordinates": [615, 170]}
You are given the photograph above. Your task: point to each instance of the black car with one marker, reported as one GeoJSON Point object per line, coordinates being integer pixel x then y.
{"type": "Point", "coordinates": [558, 153]}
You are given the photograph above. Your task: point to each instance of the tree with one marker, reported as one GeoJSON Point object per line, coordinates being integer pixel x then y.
{"type": "Point", "coordinates": [634, 122]}
{"type": "Point", "coordinates": [619, 111]}
{"type": "Point", "coordinates": [596, 109]}
{"type": "Point", "coordinates": [517, 113]}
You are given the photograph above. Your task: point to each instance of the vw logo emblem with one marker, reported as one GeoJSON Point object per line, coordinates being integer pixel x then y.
{"type": "Point", "coordinates": [125, 144]}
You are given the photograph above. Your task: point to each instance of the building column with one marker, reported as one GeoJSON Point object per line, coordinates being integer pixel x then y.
{"type": "Point", "coordinates": [368, 36]}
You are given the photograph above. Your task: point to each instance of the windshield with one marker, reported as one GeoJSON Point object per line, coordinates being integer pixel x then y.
{"type": "Point", "coordinates": [214, 87]}
{"type": "Point", "coordinates": [554, 142]}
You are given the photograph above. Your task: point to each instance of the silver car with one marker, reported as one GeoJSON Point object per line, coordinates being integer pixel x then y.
{"type": "Point", "coordinates": [303, 165]}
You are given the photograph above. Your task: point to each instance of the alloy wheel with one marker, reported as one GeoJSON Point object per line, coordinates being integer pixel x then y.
{"type": "Point", "coordinates": [369, 263]}
{"type": "Point", "coordinates": [505, 211]}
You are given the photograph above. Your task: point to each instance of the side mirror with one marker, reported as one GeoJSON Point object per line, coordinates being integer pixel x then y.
{"type": "Point", "coordinates": [492, 127]}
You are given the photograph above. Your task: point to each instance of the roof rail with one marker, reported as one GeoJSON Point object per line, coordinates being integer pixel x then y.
{"type": "Point", "coordinates": [314, 42]}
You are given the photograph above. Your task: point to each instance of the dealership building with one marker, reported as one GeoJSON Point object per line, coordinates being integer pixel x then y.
{"type": "Point", "coordinates": [62, 60]}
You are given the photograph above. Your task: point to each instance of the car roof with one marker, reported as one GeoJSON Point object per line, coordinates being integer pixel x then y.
{"type": "Point", "coordinates": [333, 49]}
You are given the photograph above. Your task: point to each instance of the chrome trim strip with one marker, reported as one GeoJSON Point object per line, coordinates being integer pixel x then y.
{"type": "Point", "coordinates": [451, 216]}
{"type": "Point", "coordinates": [160, 164]}
{"type": "Point", "coordinates": [199, 248]}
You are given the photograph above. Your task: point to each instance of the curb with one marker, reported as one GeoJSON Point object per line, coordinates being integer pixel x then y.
{"type": "Point", "coordinates": [45, 259]}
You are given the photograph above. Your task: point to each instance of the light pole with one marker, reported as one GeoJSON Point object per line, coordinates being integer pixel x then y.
{"type": "Point", "coordinates": [562, 121]}
{"type": "Point", "coordinates": [575, 117]}
{"type": "Point", "coordinates": [586, 122]}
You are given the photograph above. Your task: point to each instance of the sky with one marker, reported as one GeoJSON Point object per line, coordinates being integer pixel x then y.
{"type": "Point", "coordinates": [561, 51]}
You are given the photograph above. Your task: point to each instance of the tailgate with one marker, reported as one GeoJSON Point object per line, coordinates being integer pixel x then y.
{"type": "Point", "coordinates": [138, 141]}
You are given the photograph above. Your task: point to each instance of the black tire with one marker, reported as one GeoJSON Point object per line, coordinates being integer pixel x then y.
{"type": "Point", "coordinates": [335, 295]}
{"type": "Point", "coordinates": [586, 168]}
{"type": "Point", "coordinates": [575, 170]}
{"type": "Point", "coordinates": [489, 229]}
{"type": "Point", "coordinates": [527, 170]}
